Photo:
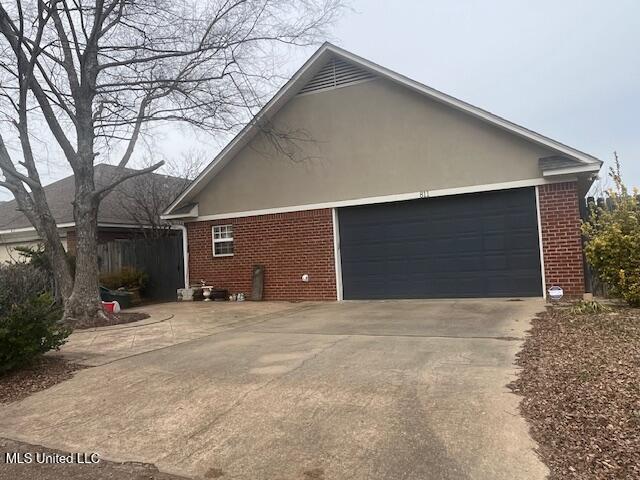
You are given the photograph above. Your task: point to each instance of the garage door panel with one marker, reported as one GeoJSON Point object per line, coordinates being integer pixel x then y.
{"type": "Point", "coordinates": [476, 245]}
{"type": "Point", "coordinates": [496, 263]}
{"type": "Point", "coordinates": [524, 261]}
{"type": "Point", "coordinates": [468, 243]}
{"type": "Point", "coordinates": [493, 242]}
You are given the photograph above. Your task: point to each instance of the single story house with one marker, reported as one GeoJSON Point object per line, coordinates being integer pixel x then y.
{"type": "Point", "coordinates": [119, 216]}
{"type": "Point", "coordinates": [392, 190]}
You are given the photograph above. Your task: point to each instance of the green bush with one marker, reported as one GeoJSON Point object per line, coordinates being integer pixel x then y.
{"type": "Point", "coordinates": [612, 236]}
{"type": "Point", "coordinates": [128, 278]}
{"type": "Point", "coordinates": [30, 321]}
{"type": "Point", "coordinates": [29, 329]}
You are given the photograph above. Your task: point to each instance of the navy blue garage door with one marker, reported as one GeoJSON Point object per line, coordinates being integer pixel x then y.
{"type": "Point", "coordinates": [473, 245]}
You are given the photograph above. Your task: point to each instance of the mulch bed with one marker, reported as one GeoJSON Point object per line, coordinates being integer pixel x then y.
{"type": "Point", "coordinates": [43, 373]}
{"type": "Point", "coordinates": [114, 319]}
{"type": "Point", "coordinates": [580, 380]}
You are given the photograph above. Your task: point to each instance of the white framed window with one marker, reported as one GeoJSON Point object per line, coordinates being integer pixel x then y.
{"type": "Point", "coordinates": [222, 240]}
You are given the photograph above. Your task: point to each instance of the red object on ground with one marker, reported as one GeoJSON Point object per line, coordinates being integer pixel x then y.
{"type": "Point", "coordinates": [111, 307]}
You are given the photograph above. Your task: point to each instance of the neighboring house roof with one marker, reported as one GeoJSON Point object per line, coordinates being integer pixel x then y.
{"type": "Point", "coordinates": [311, 77]}
{"type": "Point", "coordinates": [113, 208]}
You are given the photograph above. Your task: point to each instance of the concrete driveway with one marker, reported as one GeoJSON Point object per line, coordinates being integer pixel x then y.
{"type": "Point", "coordinates": [353, 390]}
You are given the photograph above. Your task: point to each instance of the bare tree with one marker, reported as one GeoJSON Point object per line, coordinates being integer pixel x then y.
{"type": "Point", "coordinates": [145, 197]}
{"type": "Point", "coordinates": [97, 74]}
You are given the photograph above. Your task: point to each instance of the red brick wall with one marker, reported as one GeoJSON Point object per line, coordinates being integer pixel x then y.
{"type": "Point", "coordinates": [561, 238]}
{"type": "Point", "coordinates": [287, 244]}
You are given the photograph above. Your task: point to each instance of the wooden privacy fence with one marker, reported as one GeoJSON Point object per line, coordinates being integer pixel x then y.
{"type": "Point", "coordinates": [160, 258]}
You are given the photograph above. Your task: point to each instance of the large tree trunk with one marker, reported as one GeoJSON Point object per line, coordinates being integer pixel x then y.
{"type": "Point", "coordinates": [83, 308]}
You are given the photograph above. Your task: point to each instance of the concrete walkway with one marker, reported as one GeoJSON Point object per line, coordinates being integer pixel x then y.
{"type": "Point", "coordinates": [168, 324]}
{"type": "Point", "coordinates": [357, 390]}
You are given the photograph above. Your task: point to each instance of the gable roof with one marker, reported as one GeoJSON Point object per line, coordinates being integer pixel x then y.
{"type": "Point", "coordinates": [60, 195]}
{"type": "Point", "coordinates": [306, 76]}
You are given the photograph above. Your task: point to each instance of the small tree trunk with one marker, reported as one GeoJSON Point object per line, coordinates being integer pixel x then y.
{"type": "Point", "coordinates": [84, 308]}
{"type": "Point", "coordinates": [47, 228]}
{"type": "Point", "coordinates": [59, 262]}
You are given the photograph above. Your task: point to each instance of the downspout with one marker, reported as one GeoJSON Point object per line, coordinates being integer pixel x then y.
{"type": "Point", "coordinates": [185, 252]}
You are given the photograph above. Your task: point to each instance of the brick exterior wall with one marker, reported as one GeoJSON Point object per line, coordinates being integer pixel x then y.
{"type": "Point", "coordinates": [291, 244]}
{"type": "Point", "coordinates": [561, 238]}
{"type": "Point", "coordinates": [288, 245]}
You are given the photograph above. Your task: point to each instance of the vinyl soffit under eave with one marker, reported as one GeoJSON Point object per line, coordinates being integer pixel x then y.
{"type": "Point", "coordinates": [331, 51]}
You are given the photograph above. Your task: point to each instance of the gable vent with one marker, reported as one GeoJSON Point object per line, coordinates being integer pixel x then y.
{"type": "Point", "coordinates": [336, 73]}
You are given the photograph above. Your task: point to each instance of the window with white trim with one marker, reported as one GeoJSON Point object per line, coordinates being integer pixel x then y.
{"type": "Point", "coordinates": [222, 240]}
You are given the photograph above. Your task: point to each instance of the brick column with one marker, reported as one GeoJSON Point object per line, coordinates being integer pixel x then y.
{"type": "Point", "coordinates": [561, 237]}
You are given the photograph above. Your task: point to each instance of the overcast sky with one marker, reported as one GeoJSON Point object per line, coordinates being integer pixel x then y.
{"type": "Point", "coordinates": [568, 69]}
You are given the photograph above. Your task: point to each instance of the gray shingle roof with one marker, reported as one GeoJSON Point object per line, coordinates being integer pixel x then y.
{"type": "Point", "coordinates": [60, 194]}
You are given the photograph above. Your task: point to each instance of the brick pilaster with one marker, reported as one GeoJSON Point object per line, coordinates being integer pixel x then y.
{"type": "Point", "coordinates": [561, 237]}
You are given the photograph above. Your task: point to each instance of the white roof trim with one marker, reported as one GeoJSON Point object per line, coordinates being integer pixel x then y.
{"type": "Point", "coordinates": [73, 224]}
{"type": "Point", "coordinates": [32, 229]}
{"type": "Point", "coordinates": [399, 197]}
{"type": "Point", "coordinates": [312, 65]}
{"type": "Point", "coordinates": [190, 214]}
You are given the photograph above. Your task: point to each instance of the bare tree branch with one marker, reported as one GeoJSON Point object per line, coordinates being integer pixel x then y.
{"type": "Point", "coordinates": [146, 197]}
{"type": "Point", "coordinates": [102, 192]}
{"type": "Point", "coordinates": [8, 186]}
{"type": "Point", "coordinates": [135, 135]}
